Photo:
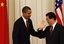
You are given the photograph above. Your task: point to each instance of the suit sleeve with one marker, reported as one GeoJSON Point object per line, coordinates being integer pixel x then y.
{"type": "Point", "coordinates": [39, 34]}
{"type": "Point", "coordinates": [62, 36]}
{"type": "Point", "coordinates": [15, 33]}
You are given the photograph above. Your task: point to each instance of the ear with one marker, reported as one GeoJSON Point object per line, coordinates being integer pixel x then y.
{"type": "Point", "coordinates": [23, 12]}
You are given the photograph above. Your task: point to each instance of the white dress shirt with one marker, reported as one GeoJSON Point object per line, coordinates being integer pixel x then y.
{"type": "Point", "coordinates": [54, 25]}
{"type": "Point", "coordinates": [24, 20]}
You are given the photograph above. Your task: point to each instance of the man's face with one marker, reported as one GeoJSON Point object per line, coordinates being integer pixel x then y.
{"type": "Point", "coordinates": [49, 21]}
{"type": "Point", "coordinates": [27, 14]}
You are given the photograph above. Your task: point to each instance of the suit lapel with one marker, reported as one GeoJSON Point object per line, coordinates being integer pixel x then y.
{"type": "Point", "coordinates": [55, 30]}
{"type": "Point", "coordinates": [23, 23]}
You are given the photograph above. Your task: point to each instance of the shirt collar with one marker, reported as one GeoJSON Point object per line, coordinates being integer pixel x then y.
{"type": "Point", "coordinates": [24, 19]}
{"type": "Point", "coordinates": [54, 24]}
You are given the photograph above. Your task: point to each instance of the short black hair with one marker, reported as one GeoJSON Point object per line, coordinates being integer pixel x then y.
{"type": "Point", "coordinates": [51, 15]}
{"type": "Point", "coordinates": [25, 8]}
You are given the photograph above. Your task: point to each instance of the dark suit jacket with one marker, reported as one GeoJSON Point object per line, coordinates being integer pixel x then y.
{"type": "Point", "coordinates": [20, 34]}
{"type": "Point", "coordinates": [57, 35]}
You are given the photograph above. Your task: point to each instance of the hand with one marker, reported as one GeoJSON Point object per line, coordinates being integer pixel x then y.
{"type": "Point", "coordinates": [42, 24]}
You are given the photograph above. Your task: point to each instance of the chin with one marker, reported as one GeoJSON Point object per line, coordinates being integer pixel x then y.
{"type": "Point", "coordinates": [49, 24]}
{"type": "Point", "coordinates": [28, 18]}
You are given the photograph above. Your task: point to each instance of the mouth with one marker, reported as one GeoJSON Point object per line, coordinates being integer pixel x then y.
{"type": "Point", "coordinates": [28, 16]}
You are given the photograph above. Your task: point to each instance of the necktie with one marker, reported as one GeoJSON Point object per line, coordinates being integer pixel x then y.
{"type": "Point", "coordinates": [51, 28]}
{"type": "Point", "coordinates": [27, 24]}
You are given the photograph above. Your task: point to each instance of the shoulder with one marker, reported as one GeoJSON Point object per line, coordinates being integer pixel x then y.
{"type": "Point", "coordinates": [18, 21]}
{"type": "Point", "coordinates": [47, 28]}
{"type": "Point", "coordinates": [60, 27]}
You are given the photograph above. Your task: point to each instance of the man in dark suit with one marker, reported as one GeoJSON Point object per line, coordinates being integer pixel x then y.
{"type": "Point", "coordinates": [54, 33]}
{"type": "Point", "coordinates": [23, 28]}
